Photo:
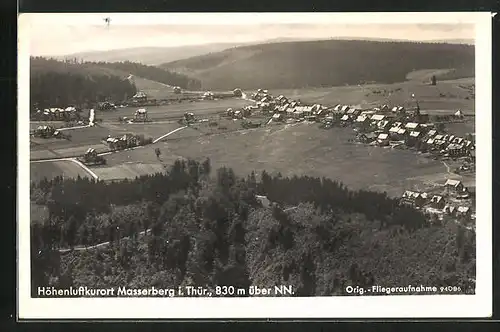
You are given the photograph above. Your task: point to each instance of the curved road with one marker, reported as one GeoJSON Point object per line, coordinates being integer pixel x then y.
{"type": "Point", "coordinates": [88, 170]}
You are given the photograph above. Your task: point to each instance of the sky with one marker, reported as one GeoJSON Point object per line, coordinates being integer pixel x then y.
{"type": "Point", "coordinates": [53, 38]}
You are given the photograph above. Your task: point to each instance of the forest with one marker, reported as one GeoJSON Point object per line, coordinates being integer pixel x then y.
{"type": "Point", "coordinates": [153, 73]}
{"type": "Point", "coordinates": [325, 63]}
{"type": "Point", "coordinates": [61, 84]}
{"type": "Point", "coordinates": [194, 226]}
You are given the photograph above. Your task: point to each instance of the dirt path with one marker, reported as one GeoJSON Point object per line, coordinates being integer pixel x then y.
{"type": "Point", "coordinates": [167, 134]}
{"type": "Point", "coordinates": [88, 170]}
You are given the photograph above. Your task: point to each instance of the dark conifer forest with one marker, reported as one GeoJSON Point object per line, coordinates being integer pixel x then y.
{"type": "Point", "coordinates": [201, 227]}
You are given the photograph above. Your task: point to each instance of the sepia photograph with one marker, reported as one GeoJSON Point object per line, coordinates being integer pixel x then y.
{"type": "Point", "coordinates": [298, 165]}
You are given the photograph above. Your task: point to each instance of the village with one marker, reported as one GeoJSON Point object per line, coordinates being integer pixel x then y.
{"type": "Point", "coordinates": [394, 127]}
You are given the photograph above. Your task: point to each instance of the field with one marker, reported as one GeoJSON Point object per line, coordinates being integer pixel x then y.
{"type": "Point", "coordinates": [177, 110]}
{"type": "Point", "coordinates": [65, 168]}
{"type": "Point", "coordinates": [82, 139]}
{"type": "Point", "coordinates": [445, 96]}
{"type": "Point", "coordinates": [291, 149]}
{"type": "Point", "coordinates": [461, 128]}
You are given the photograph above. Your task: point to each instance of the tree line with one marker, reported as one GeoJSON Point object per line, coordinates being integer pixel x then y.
{"type": "Point", "coordinates": [153, 73]}
{"type": "Point", "coordinates": [207, 228]}
{"type": "Point", "coordinates": [60, 84]}
{"type": "Point", "coordinates": [336, 63]}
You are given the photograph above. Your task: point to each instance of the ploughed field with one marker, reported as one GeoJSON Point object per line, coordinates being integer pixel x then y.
{"type": "Point", "coordinates": [289, 149]}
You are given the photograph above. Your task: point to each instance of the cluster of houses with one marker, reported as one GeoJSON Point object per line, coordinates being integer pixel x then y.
{"type": "Point", "coordinates": [383, 126]}
{"type": "Point", "coordinates": [438, 203]}
{"type": "Point", "coordinates": [57, 114]}
{"type": "Point", "coordinates": [125, 141]}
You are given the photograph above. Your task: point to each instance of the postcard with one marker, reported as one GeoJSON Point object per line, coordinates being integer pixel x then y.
{"type": "Point", "coordinates": [254, 165]}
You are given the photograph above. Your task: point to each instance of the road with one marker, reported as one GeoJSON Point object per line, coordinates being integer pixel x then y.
{"type": "Point", "coordinates": [177, 110]}
{"type": "Point", "coordinates": [88, 170]}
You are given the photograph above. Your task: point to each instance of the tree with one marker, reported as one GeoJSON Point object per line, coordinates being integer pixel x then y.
{"type": "Point", "coordinates": [433, 80]}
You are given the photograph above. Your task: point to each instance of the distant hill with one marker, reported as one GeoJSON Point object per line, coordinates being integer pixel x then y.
{"type": "Point", "coordinates": [158, 55]}
{"type": "Point", "coordinates": [149, 55]}
{"type": "Point", "coordinates": [323, 63]}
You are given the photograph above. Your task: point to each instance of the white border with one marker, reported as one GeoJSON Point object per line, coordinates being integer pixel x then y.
{"type": "Point", "coordinates": [436, 306]}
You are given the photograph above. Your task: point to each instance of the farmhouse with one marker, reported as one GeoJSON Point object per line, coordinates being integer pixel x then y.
{"type": "Point", "coordinates": [368, 113]}
{"type": "Point", "coordinates": [140, 97]}
{"type": "Point", "coordinates": [454, 186]}
{"type": "Point", "coordinates": [353, 112]}
{"type": "Point", "coordinates": [277, 117]}
{"type": "Point", "coordinates": [208, 95]}
{"type": "Point", "coordinates": [362, 119]}
{"type": "Point", "coordinates": [413, 198]}
{"type": "Point", "coordinates": [441, 145]}
{"type": "Point", "coordinates": [321, 113]}
{"type": "Point", "coordinates": [366, 138]}
{"type": "Point", "coordinates": [383, 125]}
{"type": "Point", "coordinates": [398, 109]}
{"type": "Point", "coordinates": [415, 134]}
{"type": "Point", "coordinates": [437, 202]}
{"type": "Point", "coordinates": [299, 113]}
{"type": "Point", "coordinates": [345, 119]}
{"type": "Point", "coordinates": [263, 200]}
{"type": "Point", "coordinates": [401, 134]}
{"type": "Point", "coordinates": [393, 132]}
{"type": "Point", "coordinates": [456, 150]}
{"type": "Point", "coordinates": [378, 117]}
{"type": "Point", "coordinates": [464, 211]}
{"type": "Point", "coordinates": [449, 210]}
{"type": "Point", "coordinates": [383, 139]}
{"type": "Point", "coordinates": [411, 125]}
{"type": "Point", "coordinates": [431, 133]}
{"type": "Point", "coordinates": [308, 110]}
{"type": "Point", "coordinates": [237, 114]}
{"type": "Point", "coordinates": [459, 114]}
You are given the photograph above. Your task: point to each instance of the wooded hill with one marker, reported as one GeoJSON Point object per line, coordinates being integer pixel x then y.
{"type": "Point", "coordinates": [323, 63]}
{"type": "Point", "coordinates": [60, 84]}
{"type": "Point", "coordinates": [152, 73]}
{"type": "Point", "coordinates": [57, 83]}
{"type": "Point", "coordinates": [210, 229]}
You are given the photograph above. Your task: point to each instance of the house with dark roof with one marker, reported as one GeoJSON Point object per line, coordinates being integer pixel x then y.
{"type": "Point", "coordinates": [463, 211]}
{"type": "Point", "coordinates": [413, 198]}
{"type": "Point", "coordinates": [456, 150]}
{"type": "Point", "coordinates": [454, 186]}
{"type": "Point", "coordinates": [449, 210]}
{"type": "Point", "coordinates": [383, 139]}
{"type": "Point", "coordinates": [437, 202]}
